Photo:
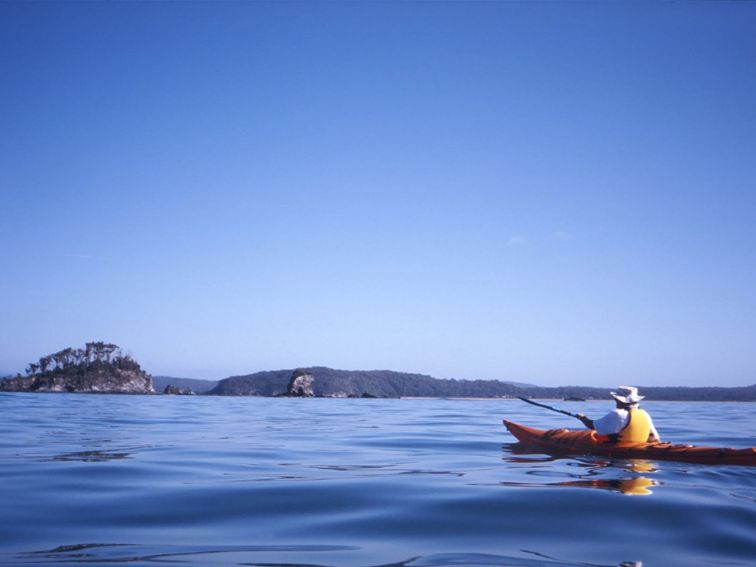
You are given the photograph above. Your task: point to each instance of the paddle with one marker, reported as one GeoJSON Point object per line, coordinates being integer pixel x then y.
{"type": "Point", "coordinates": [551, 408]}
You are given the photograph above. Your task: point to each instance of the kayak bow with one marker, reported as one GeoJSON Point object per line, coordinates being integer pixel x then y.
{"type": "Point", "coordinates": [586, 442]}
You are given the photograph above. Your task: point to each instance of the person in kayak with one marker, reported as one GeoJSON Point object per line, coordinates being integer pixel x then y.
{"type": "Point", "coordinates": [627, 423]}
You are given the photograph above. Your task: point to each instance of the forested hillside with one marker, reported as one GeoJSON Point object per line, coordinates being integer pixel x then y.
{"type": "Point", "coordinates": [391, 384]}
{"type": "Point", "coordinates": [377, 383]}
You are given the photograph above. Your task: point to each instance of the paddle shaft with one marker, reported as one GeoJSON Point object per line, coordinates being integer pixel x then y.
{"type": "Point", "coordinates": [551, 408]}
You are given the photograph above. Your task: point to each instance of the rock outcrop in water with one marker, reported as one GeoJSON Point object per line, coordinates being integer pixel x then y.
{"type": "Point", "coordinates": [97, 368]}
{"type": "Point", "coordinates": [172, 390]}
{"type": "Point", "coordinates": [300, 385]}
{"type": "Point", "coordinates": [160, 383]}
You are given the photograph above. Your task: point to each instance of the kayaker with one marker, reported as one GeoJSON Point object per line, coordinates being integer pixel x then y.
{"type": "Point", "coordinates": [627, 423]}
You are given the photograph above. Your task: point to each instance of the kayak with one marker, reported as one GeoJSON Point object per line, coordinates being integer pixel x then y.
{"type": "Point", "coordinates": [587, 442]}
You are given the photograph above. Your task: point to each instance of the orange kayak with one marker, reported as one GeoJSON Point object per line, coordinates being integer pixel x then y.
{"type": "Point", "coordinates": [586, 442]}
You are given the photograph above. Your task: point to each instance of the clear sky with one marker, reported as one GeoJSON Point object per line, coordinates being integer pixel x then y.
{"type": "Point", "coordinates": [555, 193]}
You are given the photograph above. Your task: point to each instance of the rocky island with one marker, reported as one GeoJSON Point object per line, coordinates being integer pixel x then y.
{"type": "Point", "coordinates": [97, 368]}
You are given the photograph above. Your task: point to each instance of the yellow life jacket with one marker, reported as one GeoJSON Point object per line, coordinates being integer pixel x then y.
{"type": "Point", "coordinates": [638, 427]}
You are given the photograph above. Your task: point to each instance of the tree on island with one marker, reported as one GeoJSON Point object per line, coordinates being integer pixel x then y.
{"type": "Point", "coordinates": [93, 357]}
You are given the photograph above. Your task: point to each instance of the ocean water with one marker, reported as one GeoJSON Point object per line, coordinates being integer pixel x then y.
{"type": "Point", "coordinates": [150, 480]}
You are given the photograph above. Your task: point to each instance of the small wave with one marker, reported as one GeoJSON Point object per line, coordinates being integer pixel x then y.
{"type": "Point", "coordinates": [92, 456]}
{"type": "Point", "coordinates": [136, 554]}
{"type": "Point", "coordinates": [131, 553]}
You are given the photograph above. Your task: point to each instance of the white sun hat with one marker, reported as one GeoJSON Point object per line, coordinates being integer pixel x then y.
{"type": "Point", "coordinates": [627, 395]}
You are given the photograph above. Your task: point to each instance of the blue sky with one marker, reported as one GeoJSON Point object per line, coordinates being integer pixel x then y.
{"type": "Point", "coordinates": [556, 193]}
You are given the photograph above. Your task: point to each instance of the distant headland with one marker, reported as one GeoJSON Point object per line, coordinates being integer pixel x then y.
{"type": "Point", "coordinates": [102, 367]}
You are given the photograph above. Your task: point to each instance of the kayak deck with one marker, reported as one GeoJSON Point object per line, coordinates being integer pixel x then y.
{"type": "Point", "coordinates": [586, 442]}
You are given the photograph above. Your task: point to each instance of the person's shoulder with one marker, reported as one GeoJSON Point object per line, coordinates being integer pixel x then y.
{"type": "Point", "coordinates": [616, 415]}
{"type": "Point", "coordinates": [648, 415]}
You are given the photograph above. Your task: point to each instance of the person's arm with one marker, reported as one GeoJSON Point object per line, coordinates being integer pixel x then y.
{"type": "Point", "coordinates": [653, 436]}
{"type": "Point", "coordinates": [612, 423]}
{"type": "Point", "coordinates": [586, 421]}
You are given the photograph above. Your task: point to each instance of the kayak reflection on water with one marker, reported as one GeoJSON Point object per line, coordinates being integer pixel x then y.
{"type": "Point", "coordinates": [638, 486]}
{"type": "Point", "coordinates": [589, 473]}
{"type": "Point", "coordinates": [633, 486]}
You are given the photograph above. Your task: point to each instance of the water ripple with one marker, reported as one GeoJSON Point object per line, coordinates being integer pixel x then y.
{"type": "Point", "coordinates": [113, 553]}
{"type": "Point", "coordinates": [418, 483]}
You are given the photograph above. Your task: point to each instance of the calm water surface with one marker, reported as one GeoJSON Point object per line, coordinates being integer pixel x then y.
{"type": "Point", "coordinates": [147, 480]}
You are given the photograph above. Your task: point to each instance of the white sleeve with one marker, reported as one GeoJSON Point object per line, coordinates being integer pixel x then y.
{"type": "Point", "coordinates": [611, 423]}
